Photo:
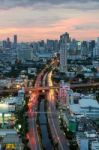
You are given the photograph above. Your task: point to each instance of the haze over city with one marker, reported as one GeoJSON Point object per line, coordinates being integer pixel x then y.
{"type": "Point", "coordinates": [34, 20]}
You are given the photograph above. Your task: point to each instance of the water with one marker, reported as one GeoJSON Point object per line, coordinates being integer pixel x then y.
{"type": "Point", "coordinates": [42, 117]}
{"type": "Point", "coordinates": [43, 125]}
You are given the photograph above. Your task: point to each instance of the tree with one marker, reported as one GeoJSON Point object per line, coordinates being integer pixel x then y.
{"type": "Point", "coordinates": [94, 70]}
{"type": "Point", "coordinates": [81, 76]}
{"type": "Point", "coordinates": [26, 148]}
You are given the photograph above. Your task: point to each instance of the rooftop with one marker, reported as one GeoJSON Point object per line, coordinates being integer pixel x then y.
{"type": "Point", "coordinates": [84, 106]}
{"type": "Point", "coordinates": [4, 132]}
{"type": "Point", "coordinates": [88, 103]}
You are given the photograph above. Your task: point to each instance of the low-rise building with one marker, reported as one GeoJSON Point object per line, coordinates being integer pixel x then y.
{"type": "Point", "coordinates": [95, 145]}
{"type": "Point", "coordinates": [9, 139]}
{"type": "Point", "coordinates": [5, 83]}
{"type": "Point", "coordinates": [87, 107]}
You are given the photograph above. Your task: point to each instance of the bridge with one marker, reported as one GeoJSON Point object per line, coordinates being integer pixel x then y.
{"type": "Point", "coordinates": [84, 85]}
{"type": "Point", "coordinates": [47, 88]}
{"type": "Point", "coordinates": [72, 86]}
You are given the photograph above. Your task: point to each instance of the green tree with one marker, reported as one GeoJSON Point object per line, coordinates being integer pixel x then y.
{"type": "Point", "coordinates": [94, 70]}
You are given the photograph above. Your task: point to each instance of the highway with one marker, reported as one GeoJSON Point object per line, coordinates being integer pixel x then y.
{"type": "Point", "coordinates": [32, 135]}
{"type": "Point", "coordinates": [57, 133]}
{"type": "Point", "coordinates": [32, 105]}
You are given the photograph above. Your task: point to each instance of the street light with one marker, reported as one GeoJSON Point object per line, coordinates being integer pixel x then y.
{"type": "Point", "coordinates": [19, 126]}
{"type": "Point", "coordinates": [30, 92]}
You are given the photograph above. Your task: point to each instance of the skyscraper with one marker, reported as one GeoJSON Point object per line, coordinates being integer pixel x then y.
{"type": "Point", "coordinates": [63, 58]}
{"type": "Point", "coordinates": [84, 49]}
{"type": "Point", "coordinates": [96, 49]}
{"type": "Point", "coordinates": [24, 52]}
{"type": "Point", "coordinates": [64, 39]}
{"type": "Point", "coordinates": [8, 43]}
{"type": "Point", "coordinates": [15, 41]}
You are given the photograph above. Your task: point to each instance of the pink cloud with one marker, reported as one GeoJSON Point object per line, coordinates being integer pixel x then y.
{"type": "Point", "coordinates": [53, 31]}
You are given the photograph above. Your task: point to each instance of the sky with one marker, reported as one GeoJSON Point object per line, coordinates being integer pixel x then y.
{"type": "Point", "coordinates": [34, 20]}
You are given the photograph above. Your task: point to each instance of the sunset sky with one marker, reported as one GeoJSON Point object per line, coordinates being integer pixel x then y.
{"type": "Point", "coordinates": [34, 20]}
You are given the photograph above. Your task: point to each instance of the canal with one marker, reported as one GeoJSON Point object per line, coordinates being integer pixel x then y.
{"type": "Point", "coordinates": [43, 126]}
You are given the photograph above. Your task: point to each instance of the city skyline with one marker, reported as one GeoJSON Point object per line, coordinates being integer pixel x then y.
{"type": "Point", "coordinates": [36, 20]}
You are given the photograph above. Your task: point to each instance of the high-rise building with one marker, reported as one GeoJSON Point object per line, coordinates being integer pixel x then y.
{"type": "Point", "coordinates": [4, 43]}
{"type": "Point", "coordinates": [15, 41]}
{"type": "Point", "coordinates": [98, 40]}
{"type": "Point", "coordinates": [50, 45]}
{"type": "Point", "coordinates": [73, 47]}
{"type": "Point", "coordinates": [56, 46]}
{"type": "Point", "coordinates": [96, 49]}
{"type": "Point", "coordinates": [84, 49]}
{"type": "Point", "coordinates": [91, 47]}
{"type": "Point", "coordinates": [63, 58]}
{"type": "Point", "coordinates": [64, 39]}
{"type": "Point", "coordinates": [63, 93]}
{"type": "Point", "coordinates": [41, 46]}
{"type": "Point", "coordinates": [8, 43]}
{"type": "Point", "coordinates": [24, 52]}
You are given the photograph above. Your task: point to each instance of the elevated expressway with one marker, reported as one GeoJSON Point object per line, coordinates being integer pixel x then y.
{"type": "Point", "coordinates": [46, 88]}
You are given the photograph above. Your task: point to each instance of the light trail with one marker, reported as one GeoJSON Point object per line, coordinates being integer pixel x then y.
{"type": "Point", "coordinates": [51, 95]}
{"type": "Point", "coordinates": [51, 98]}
